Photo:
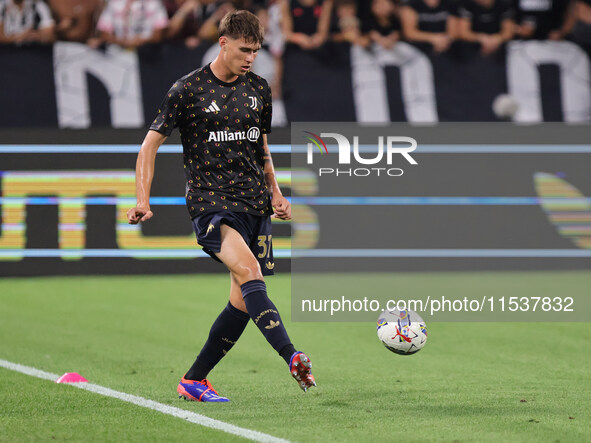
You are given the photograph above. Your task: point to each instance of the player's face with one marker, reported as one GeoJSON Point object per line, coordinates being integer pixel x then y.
{"type": "Point", "coordinates": [239, 54]}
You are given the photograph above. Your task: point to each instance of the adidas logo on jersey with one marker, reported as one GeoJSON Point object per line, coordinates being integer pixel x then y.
{"type": "Point", "coordinates": [212, 108]}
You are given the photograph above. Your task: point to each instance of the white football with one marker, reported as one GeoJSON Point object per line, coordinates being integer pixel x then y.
{"type": "Point", "coordinates": [505, 106]}
{"type": "Point", "coordinates": [402, 332]}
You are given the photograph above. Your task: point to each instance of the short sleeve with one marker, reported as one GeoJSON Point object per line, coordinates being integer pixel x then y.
{"type": "Point", "coordinates": [105, 21]}
{"type": "Point", "coordinates": [45, 18]}
{"type": "Point", "coordinates": [507, 12]}
{"type": "Point", "coordinates": [267, 112]}
{"type": "Point", "coordinates": [463, 12]}
{"type": "Point", "coordinates": [158, 15]}
{"type": "Point", "coordinates": [456, 7]}
{"type": "Point", "coordinates": [169, 112]}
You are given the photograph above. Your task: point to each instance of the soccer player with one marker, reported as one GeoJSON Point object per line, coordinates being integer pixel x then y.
{"type": "Point", "coordinates": [223, 112]}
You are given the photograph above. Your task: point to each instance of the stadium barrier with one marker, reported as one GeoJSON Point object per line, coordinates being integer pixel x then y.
{"type": "Point", "coordinates": [69, 85]}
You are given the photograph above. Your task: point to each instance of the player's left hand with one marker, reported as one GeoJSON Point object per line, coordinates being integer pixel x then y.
{"type": "Point", "coordinates": [282, 207]}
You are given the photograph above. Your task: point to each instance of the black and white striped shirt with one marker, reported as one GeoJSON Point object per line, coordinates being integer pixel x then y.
{"type": "Point", "coordinates": [32, 14]}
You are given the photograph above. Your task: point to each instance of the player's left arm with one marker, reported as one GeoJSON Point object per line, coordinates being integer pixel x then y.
{"type": "Point", "coordinates": [281, 205]}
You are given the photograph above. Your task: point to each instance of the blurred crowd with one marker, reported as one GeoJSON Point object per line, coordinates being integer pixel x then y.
{"type": "Point", "coordinates": [305, 24]}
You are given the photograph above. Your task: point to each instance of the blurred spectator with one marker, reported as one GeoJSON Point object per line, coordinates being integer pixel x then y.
{"type": "Point", "coordinates": [209, 29]}
{"type": "Point", "coordinates": [306, 23]}
{"type": "Point", "coordinates": [26, 21]}
{"type": "Point", "coordinates": [383, 27]}
{"type": "Point", "coordinates": [487, 22]}
{"type": "Point", "coordinates": [429, 21]}
{"type": "Point", "coordinates": [541, 19]}
{"type": "Point", "coordinates": [348, 24]}
{"type": "Point", "coordinates": [185, 18]}
{"type": "Point", "coordinates": [75, 19]}
{"type": "Point", "coordinates": [274, 43]}
{"type": "Point", "coordinates": [270, 17]}
{"type": "Point", "coordinates": [580, 23]}
{"type": "Point", "coordinates": [131, 23]}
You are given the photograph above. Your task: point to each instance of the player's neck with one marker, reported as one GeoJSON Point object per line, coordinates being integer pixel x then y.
{"type": "Point", "coordinates": [222, 72]}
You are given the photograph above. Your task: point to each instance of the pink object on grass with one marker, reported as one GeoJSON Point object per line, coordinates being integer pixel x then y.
{"type": "Point", "coordinates": [71, 377]}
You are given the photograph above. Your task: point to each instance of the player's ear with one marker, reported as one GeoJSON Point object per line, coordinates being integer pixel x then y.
{"type": "Point", "coordinates": [223, 40]}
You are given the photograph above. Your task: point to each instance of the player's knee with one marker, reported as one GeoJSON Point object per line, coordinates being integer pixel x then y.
{"type": "Point", "coordinates": [248, 272]}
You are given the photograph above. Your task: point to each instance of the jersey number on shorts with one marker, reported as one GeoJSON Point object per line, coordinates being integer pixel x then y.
{"type": "Point", "coordinates": [265, 243]}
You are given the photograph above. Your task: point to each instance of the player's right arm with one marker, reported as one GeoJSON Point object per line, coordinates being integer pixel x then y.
{"type": "Point", "coordinates": [144, 173]}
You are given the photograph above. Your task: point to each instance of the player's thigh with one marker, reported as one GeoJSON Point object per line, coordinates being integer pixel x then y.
{"type": "Point", "coordinates": [237, 256]}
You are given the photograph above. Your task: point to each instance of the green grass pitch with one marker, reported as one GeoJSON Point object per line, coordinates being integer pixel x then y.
{"type": "Point", "coordinates": [471, 382]}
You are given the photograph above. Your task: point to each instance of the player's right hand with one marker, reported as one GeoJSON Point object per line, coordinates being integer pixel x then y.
{"type": "Point", "coordinates": [136, 215]}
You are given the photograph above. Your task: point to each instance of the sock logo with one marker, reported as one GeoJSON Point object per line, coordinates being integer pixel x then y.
{"type": "Point", "coordinates": [227, 340]}
{"type": "Point", "coordinates": [272, 324]}
{"type": "Point", "coordinates": [268, 311]}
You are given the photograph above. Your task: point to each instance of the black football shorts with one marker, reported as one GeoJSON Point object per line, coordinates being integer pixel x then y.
{"type": "Point", "coordinates": [255, 230]}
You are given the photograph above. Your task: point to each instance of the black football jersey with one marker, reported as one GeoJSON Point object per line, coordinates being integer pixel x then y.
{"type": "Point", "coordinates": [544, 15]}
{"type": "Point", "coordinates": [221, 126]}
{"type": "Point", "coordinates": [385, 30]}
{"type": "Point", "coordinates": [486, 20]}
{"type": "Point", "coordinates": [431, 19]}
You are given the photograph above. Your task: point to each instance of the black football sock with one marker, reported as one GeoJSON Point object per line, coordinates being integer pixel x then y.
{"type": "Point", "coordinates": [264, 314]}
{"type": "Point", "coordinates": [287, 352]}
{"type": "Point", "coordinates": [224, 333]}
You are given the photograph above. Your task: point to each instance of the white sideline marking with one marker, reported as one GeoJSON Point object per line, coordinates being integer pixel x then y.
{"type": "Point", "coordinates": [150, 404]}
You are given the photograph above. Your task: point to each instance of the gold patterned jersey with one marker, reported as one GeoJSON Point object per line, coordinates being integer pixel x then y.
{"type": "Point", "coordinates": [221, 126]}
